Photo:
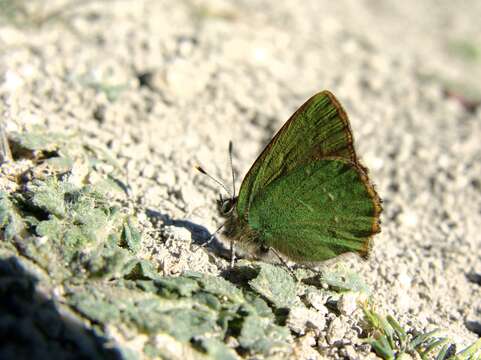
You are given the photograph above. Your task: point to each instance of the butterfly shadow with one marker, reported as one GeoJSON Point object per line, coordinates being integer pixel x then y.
{"type": "Point", "coordinates": [200, 235]}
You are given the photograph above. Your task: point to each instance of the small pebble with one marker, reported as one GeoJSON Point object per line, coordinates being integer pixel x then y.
{"type": "Point", "coordinates": [336, 331]}
{"type": "Point", "coordinates": [347, 304]}
{"type": "Point", "coordinates": [301, 318]}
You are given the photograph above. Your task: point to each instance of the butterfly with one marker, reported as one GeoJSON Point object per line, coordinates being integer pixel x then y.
{"type": "Point", "coordinates": [307, 196]}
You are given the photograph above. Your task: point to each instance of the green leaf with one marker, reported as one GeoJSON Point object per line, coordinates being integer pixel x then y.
{"type": "Point", "coordinates": [471, 352]}
{"type": "Point", "coordinates": [221, 288]}
{"type": "Point", "coordinates": [275, 284]}
{"type": "Point", "coordinates": [421, 338]}
{"type": "Point", "coordinates": [176, 286]}
{"type": "Point", "coordinates": [400, 333]}
{"type": "Point", "coordinates": [182, 323]}
{"type": "Point", "coordinates": [53, 229]}
{"type": "Point", "coordinates": [465, 49]}
{"type": "Point", "coordinates": [344, 280]}
{"type": "Point", "coordinates": [107, 262]}
{"type": "Point", "coordinates": [382, 348]}
{"type": "Point", "coordinates": [261, 335]}
{"type": "Point", "coordinates": [37, 140]}
{"type": "Point", "coordinates": [95, 308]}
{"type": "Point", "coordinates": [131, 236]}
{"type": "Point", "coordinates": [60, 163]}
{"type": "Point", "coordinates": [98, 154]}
{"type": "Point", "coordinates": [140, 269]}
{"type": "Point", "coordinates": [442, 355]}
{"type": "Point", "coordinates": [11, 222]}
{"type": "Point", "coordinates": [49, 196]}
{"type": "Point", "coordinates": [433, 345]}
{"type": "Point", "coordinates": [216, 349]}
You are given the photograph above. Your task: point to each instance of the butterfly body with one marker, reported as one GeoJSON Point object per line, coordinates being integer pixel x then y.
{"type": "Point", "coordinates": [306, 196]}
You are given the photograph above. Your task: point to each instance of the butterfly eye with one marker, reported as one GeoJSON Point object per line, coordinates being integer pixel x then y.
{"type": "Point", "coordinates": [226, 206]}
{"type": "Point", "coordinates": [264, 249]}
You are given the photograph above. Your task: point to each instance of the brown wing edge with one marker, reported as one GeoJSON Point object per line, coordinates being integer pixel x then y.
{"type": "Point", "coordinates": [363, 172]}
{"type": "Point", "coordinates": [345, 120]}
{"type": "Point", "coordinates": [342, 115]}
{"type": "Point", "coordinates": [377, 201]}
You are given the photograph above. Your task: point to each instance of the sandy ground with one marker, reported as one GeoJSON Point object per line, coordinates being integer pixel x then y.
{"type": "Point", "coordinates": [166, 84]}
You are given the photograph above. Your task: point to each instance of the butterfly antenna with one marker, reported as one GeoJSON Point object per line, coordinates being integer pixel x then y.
{"type": "Point", "coordinates": [232, 169]}
{"type": "Point", "coordinates": [201, 170]}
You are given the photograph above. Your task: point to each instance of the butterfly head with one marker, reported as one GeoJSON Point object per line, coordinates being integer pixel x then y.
{"type": "Point", "coordinates": [225, 206]}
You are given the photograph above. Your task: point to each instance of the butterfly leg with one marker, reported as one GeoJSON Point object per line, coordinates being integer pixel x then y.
{"type": "Point", "coordinates": [213, 235]}
{"type": "Point", "coordinates": [283, 262]}
{"type": "Point", "coordinates": [211, 238]}
{"type": "Point", "coordinates": [232, 254]}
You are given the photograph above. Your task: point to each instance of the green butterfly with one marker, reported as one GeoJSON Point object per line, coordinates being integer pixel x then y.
{"type": "Point", "coordinates": [306, 196]}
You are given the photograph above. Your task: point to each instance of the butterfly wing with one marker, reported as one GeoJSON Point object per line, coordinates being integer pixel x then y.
{"type": "Point", "coordinates": [318, 129]}
{"type": "Point", "coordinates": [317, 211]}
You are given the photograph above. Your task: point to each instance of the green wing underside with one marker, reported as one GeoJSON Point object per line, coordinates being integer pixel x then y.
{"type": "Point", "coordinates": [316, 212]}
{"type": "Point", "coordinates": [319, 129]}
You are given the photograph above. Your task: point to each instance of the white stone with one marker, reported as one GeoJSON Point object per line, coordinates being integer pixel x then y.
{"type": "Point", "coordinates": [347, 304]}
{"type": "Point", "coordinates": [335, 331]}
